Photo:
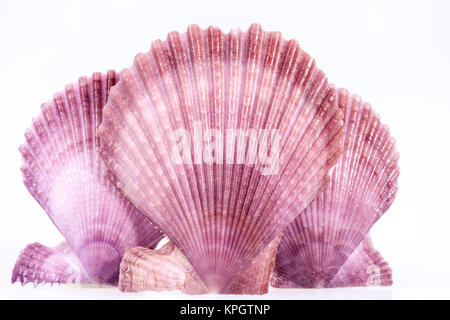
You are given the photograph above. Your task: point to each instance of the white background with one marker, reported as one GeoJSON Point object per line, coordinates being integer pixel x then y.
{"type": "Point", "coordinates": [395, 54]}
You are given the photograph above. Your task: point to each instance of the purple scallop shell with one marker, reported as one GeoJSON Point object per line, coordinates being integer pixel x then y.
{"type": "Point", "coordinates": [221, 213]}
{"type": "Point", "coordinates": [325, 246]}
{"type": "Point", "coordinates": [63, 171]}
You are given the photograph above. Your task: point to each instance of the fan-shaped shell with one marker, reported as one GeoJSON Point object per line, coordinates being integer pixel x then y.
{"type": "Point", "coordinates": [167, 269]}
{"type": "Point", "coordinates": [64, 173]}
{"type": "Point", "coordinates": [169, 141]}
{"type": "Point", "coordinates": [364, 267]}
{"type": "Point", "coordinates": [315, 248]}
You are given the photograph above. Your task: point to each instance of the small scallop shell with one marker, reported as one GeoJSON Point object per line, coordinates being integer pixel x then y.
{"type": "Point", "coordinates": [143, 269]}
{"type": "Point", "coordinates": [64, 173]}
{"type": "Point", "coordinates": [165, 269]}
{"type": "Point", "coordinates": [316, 247]}
{"type": "Point", "coordinates": [221, 201]}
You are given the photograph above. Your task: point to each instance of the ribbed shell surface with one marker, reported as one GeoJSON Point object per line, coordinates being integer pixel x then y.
{"type": "Point", "coordinates": [63, 171]}
{"type": "Point", "coordinates": [221, 210]}
{"type": "Point", "coordinates": [362, 187]}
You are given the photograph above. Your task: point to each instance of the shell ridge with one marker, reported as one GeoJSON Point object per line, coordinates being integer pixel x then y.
{"type": "Point", "coordinates": [302, 160]}
{"type": "Point", "coordinates": [265, 226]}
{"type": "Point", "coordinates": [193, 199]}
{"type": "Point", "coordinates": [235, 75]}
{"type": "Point", "coordinates": [70, 122]}
{"type": "Point", "coordinates": [284, 96]}
{"type": "Point", "coordinates": [195, 171]}
{"type": "Point", "coordinates": [274, 79]}
{"type": "Point", "coordinates": [182, 195]}
{"type": "Point", "coordinates": [250, 102]}
{"type": "Point", "coordinates": [135, 159]}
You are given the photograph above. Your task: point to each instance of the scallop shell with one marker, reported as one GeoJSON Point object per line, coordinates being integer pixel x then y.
{"type": "Point", "coordinates": [169, 141]}
{"type": "Point", "coordinates": [365, 267]}
{"type": "Point", "coordinates": [40, 264]}
{"type": "Point", "coordinates": [167, 269]}
{"type": "Point", "coordinates": [63, 171]}
{"type": "Point", "coordinates": [316, 249]}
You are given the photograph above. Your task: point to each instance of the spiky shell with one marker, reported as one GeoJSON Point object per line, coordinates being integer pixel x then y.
{"type": "Point", "coordinates": [63, 171]}
{"type": "Point", "coordinates": [220, 208]}
{"type": "Point", "coordinates": [317, 245]}
{"type": "Point", "coordinates": [40, 264]}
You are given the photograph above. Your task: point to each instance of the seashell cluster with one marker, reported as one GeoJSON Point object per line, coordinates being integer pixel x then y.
{"type": "Point", "coordinates": [233, 145]}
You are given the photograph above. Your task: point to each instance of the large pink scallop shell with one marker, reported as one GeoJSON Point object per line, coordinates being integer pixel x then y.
{"type": "Point", "coordinates": [63, 171]}
{"type": "Point", "coordinates": [325, 246]}
{"type": "Point", "coordinates": [221, 213]}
